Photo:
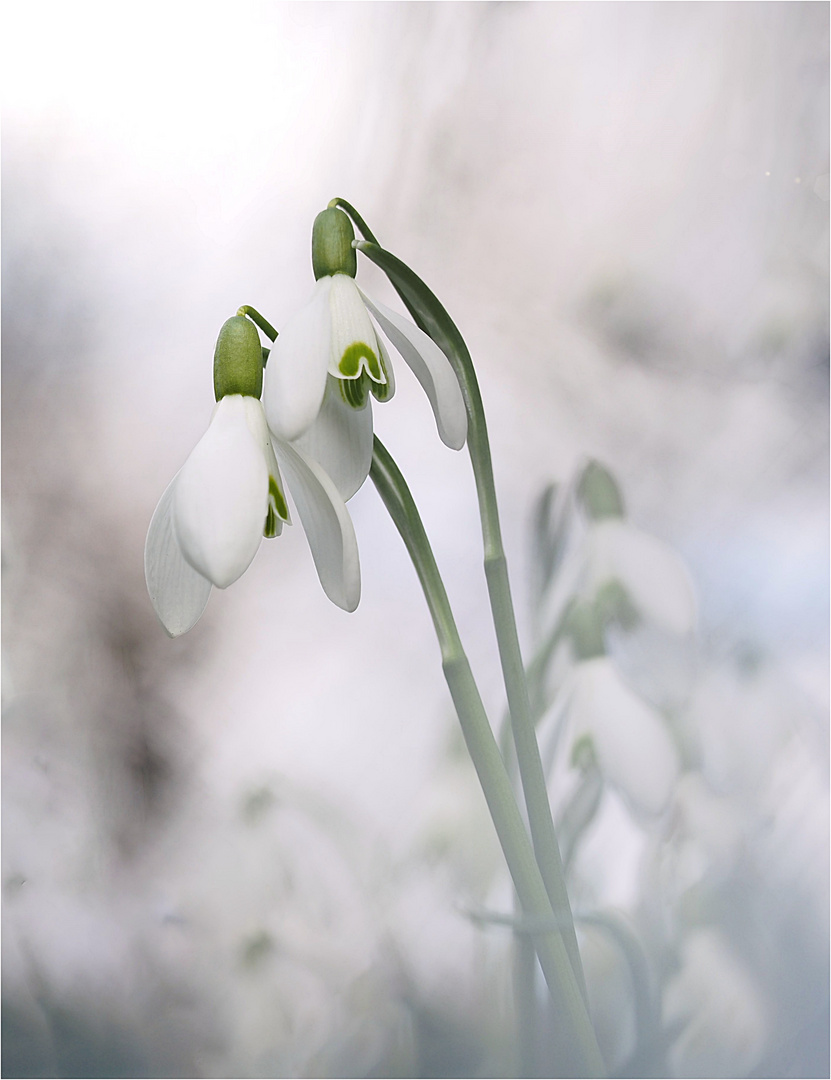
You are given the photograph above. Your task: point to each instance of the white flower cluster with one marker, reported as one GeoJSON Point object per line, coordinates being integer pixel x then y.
{"type": "Point", "coordinates": [315, 424]}
{"type": "Point", "coordinates": [614, 573]}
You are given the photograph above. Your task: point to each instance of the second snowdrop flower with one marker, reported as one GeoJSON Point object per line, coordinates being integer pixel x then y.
{"type": "Point", "coordinates": [229, 493]}
{"type": "Point", "coordinates": [329, 359]}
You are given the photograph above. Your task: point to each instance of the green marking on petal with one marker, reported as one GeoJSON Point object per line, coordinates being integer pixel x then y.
{"type": "Point", "coordinates": [354, 391]}
{"type": "Point", "coordinates": [277, 499]}
{"type": "Point", "coordinates": [583, 754]}
{"type": "Point", "coordinates": [270, 527]}
{"type": "Point", "coordinates": [358, 355]}
{"type": "Point", "coordinates": [381, 390]}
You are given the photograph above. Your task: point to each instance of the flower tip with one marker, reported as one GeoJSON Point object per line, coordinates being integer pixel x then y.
{"type": "Point", "coordinates": [457, 437]}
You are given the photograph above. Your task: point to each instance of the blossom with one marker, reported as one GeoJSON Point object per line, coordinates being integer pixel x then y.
{"type": "Point", "coordinates": [653, 578]}
{"type": "Point", "coordinates": [330, 358]}
{"type": "Point", "coordinates": [634, 749]}
{"type": "Point", "coordinates": [711, 1003]}
{"type": "Point", "coordinates": [211, 519]}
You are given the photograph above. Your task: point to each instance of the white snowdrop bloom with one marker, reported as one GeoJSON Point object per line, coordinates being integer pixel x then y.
{"type": "Point", "coordinates": [654, 577]}
{"type": "Point", "coordinates": [633, 746]}
{"type": "Point", "coordinates": [721, 1013]}
{"type": "Point", "coordinates": [211, 519]}
{"type": "Point", "coordinates": [611, 996]}
{"type": "Point", "coordinates": [329, 359]}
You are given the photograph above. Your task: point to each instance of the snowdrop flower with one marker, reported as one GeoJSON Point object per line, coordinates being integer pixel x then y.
{"type": "Point", "coordinates": [611, 996]}
{"type": "Point", "coordinates": [630, 739]}
{"type": "Point", "coordinates": [229, 493]}
{"type": "Point", "coordinates": [655, 581]}
{"type": "Point", "coordinates": [633, 747]}
{"type": "Point", "coordinates": [329, 359]}
{"type": "Point", "coordinates": [722, 1018]}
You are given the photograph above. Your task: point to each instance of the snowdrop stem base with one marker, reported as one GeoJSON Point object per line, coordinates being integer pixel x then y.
{"type": "Point", "coordinates": [526, 1008]}
{"type": "Point", "coordinates": [433, 319]}
{"type": "Point", "coordinates": [549, 943]}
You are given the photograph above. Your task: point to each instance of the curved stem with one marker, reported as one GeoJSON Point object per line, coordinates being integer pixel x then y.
{"type": "Point", "coordinates": [432, 318]}
{"type": "Point", "coordinates": [258, 320]}
{"type": "Point", "coordinates": [549, 943]}
{"type": "Point", "coordinates": [363, 228]}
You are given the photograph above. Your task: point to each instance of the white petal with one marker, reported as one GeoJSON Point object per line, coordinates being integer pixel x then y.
{"type": "Point", "coordinates": [385, 356]}
{"type": "Point", "coordinates": [432, 369]}
{"type": "Point", "coordinates": [653, 575]}
{"type": "Point", "coordinates": [221, 498]}
{"type": "Point", "coordinates": [179, 594]}
{"type": "Point", "coordinates": [327, 525]}
{"type": "Point", "coordinates": [295, 376]}
{"type": "Point", "coordinates": [351, 328]}
{"type": "Point", "coordinates": [633, 745]}
{"type": "Point", "coordinates": [255, 418]}
{"type": "Point", "coordinates": [726, 1021]}
{"type": "Point", "coordinates": [340, 440]}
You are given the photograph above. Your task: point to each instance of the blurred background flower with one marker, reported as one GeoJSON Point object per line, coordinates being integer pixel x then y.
{"type": "Point", "coordinates": [220, 860]}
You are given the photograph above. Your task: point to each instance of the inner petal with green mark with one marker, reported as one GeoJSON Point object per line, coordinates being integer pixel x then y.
{"type": "Point", "coordinates": [277, 512]}
{"type": "Point", "coordinates": [355, 391]}
{"type": "Point", "coordinates": [354, 346]}
{"type": "Point", "coordinates": [358, 356]}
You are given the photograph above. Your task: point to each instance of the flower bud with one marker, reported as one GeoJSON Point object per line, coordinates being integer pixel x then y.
{"type": "Point", "coordinates": [332, 251]}
{"type": "Point", "coordinates": [599, 494]}
{"type": "Point", "coordinates": [238, 359]}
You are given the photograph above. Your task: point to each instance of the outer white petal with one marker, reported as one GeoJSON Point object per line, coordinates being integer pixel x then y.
{"type": "Point", "coordinates": [295, 376]}
{"type": "Point", "coordinates": [327, 525]}
{"type": "Point", "coordinates": [634, 748]}
{"type": "Point", "coordinates": [432, 369]}
{"type": "Point", "coordinates": [655, 577]}
{"type": "Point", "coordinates": [221, 497]}
{"type": "Point", "coordinates": [340, 440]}
{"type": "Point", "coordinates": [179, 594]}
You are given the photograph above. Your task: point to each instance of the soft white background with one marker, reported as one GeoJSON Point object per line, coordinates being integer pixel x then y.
{"type": "Point", "coordinates": [623, 206]}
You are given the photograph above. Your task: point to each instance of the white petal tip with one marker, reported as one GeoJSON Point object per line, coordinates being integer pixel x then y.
{"type": "Point", "coordinates": [178, 593]}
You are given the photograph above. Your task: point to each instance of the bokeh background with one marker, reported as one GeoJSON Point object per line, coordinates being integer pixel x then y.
{"type": "Point", "coordinates": [250, 851]}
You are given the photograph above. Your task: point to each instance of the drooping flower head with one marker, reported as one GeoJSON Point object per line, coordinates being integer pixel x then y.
{"type": "Point", "coordinates": [229, 493]}
{"type": "Point", "coordinates": [330, 360]}
{"type": "Point", "coordinates": [641, 576]}
{"type": "Point", "coordinates": [632, 743]}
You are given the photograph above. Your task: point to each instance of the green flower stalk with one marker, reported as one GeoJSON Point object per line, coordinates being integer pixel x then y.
{"type": "Point", "coordinates": [429, 314]}
{"type": "Point", "coordinates": [543, 923]}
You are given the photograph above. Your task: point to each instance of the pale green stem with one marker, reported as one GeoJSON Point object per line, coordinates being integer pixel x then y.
{"type": "Point", "coordinates": [548, 940]}
{"type": "Point", "coordinates": [438, 324]}
{"type": "Point", "coordinates": [525, 1004]}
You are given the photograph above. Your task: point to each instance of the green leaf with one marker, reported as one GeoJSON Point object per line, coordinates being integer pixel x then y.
{"type": "Point", "coordinates": [426, 309]}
